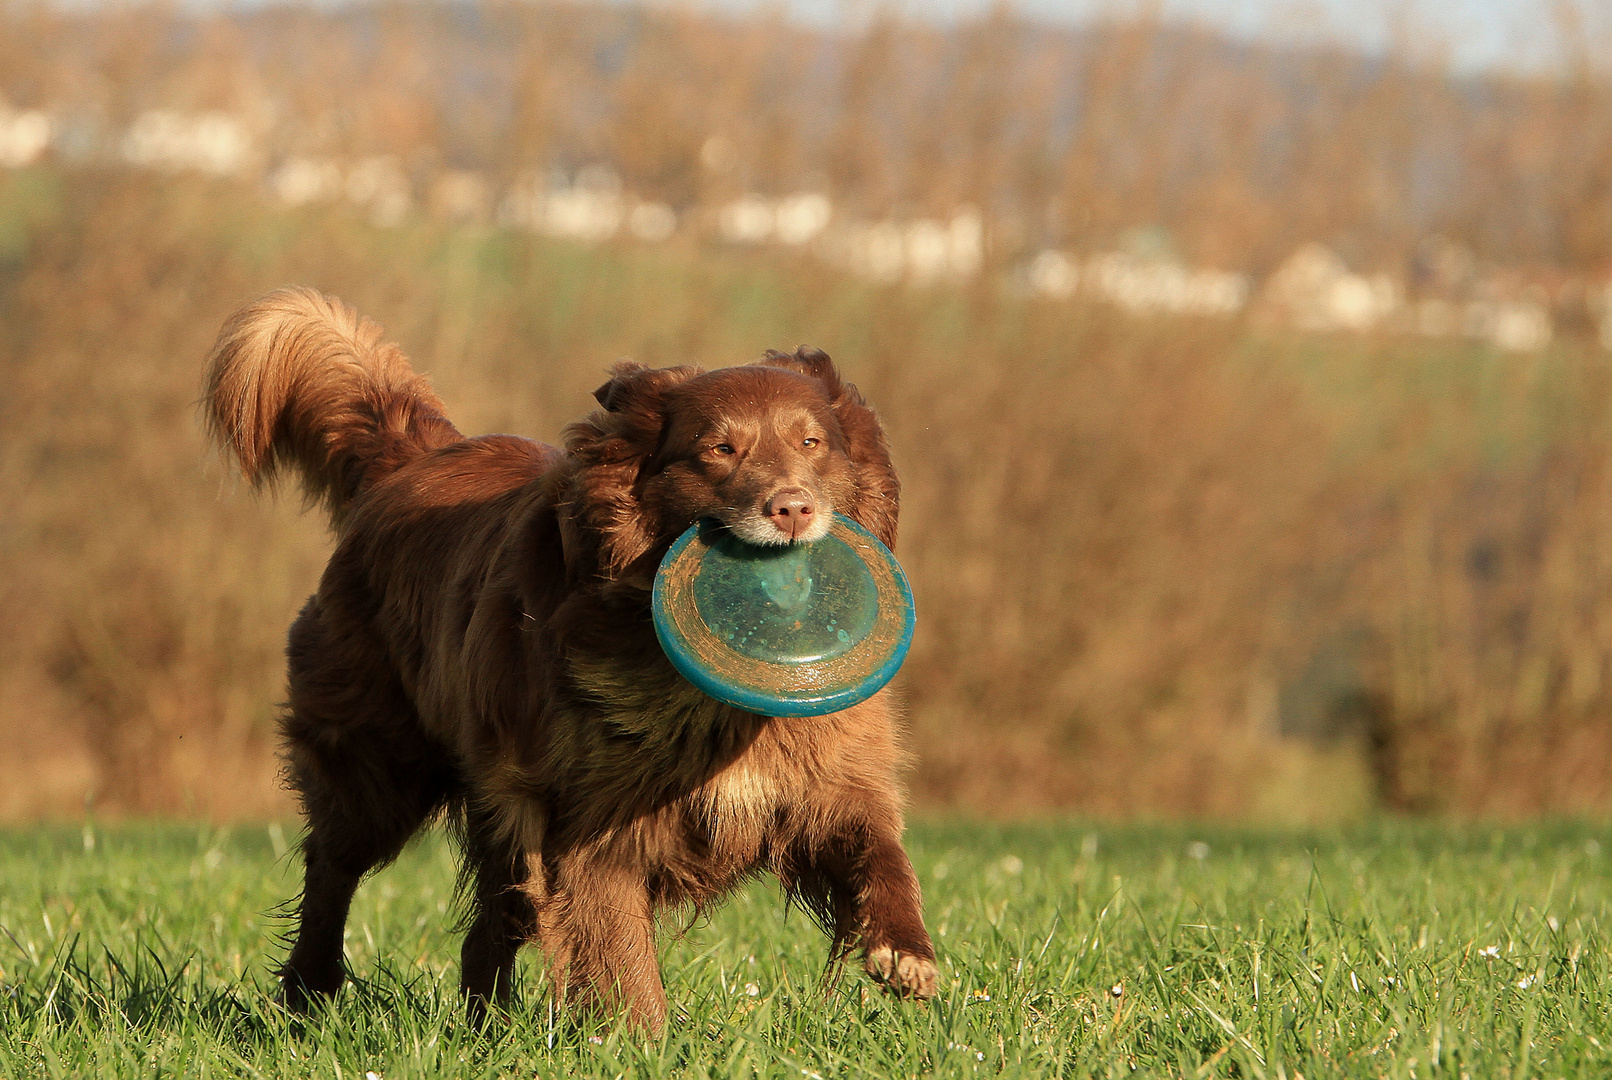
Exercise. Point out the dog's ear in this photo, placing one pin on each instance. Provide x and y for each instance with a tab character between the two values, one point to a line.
878	499
634	401
808	361
622	375
606	524
635	386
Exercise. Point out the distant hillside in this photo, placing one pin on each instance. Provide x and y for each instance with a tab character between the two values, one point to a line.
1062	138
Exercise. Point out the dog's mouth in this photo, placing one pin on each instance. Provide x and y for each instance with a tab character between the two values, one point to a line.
780	529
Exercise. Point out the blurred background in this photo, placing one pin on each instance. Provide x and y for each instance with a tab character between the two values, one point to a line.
1249	369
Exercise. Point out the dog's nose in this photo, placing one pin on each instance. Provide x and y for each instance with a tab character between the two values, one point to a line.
791	511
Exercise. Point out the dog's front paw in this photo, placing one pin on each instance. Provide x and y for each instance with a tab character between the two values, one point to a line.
903	974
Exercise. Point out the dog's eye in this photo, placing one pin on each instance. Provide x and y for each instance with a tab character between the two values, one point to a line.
722	448
809	443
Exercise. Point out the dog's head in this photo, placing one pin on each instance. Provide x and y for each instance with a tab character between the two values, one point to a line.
772	450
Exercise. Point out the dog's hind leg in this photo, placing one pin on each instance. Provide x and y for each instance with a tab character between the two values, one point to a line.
368	778
503	918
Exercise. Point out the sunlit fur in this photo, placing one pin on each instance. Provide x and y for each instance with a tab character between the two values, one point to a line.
481	644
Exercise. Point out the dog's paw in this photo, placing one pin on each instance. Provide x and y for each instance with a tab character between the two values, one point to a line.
903	974
304	990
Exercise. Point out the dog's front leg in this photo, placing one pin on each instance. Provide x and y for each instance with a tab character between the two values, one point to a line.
597	927
874	897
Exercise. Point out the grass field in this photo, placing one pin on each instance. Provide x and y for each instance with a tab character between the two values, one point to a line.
1389	950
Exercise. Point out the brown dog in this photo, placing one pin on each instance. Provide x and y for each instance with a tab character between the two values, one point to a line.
481	645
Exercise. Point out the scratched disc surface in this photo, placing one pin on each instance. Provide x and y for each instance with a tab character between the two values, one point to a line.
793	630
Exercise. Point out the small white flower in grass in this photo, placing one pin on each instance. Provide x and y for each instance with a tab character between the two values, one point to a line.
372	1076
1550	921
1491	952
1527	980
752	990
1117	990
1198	850
1012	864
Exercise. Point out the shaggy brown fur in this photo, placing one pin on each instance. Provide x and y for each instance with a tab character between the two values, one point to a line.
481	644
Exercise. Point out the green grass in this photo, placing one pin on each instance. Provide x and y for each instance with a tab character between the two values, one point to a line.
1390	950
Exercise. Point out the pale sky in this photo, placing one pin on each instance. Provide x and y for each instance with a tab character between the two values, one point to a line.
1472	33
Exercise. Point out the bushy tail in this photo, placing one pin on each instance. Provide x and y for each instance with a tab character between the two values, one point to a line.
301	380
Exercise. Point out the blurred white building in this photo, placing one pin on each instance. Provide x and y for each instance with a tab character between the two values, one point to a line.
1157	286
1315	290
793	219
378	184
1515	325
1053	274
209	142
301	181
1140	285
746	220
652	221
950	249
922	252
24	136
590	207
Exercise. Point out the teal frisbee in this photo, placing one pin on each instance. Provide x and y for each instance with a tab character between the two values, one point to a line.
792	630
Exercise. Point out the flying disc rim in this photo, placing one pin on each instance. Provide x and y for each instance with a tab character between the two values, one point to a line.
897	616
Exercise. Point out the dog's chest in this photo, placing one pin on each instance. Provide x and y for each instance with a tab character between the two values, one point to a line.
741	796
760	797
737	777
